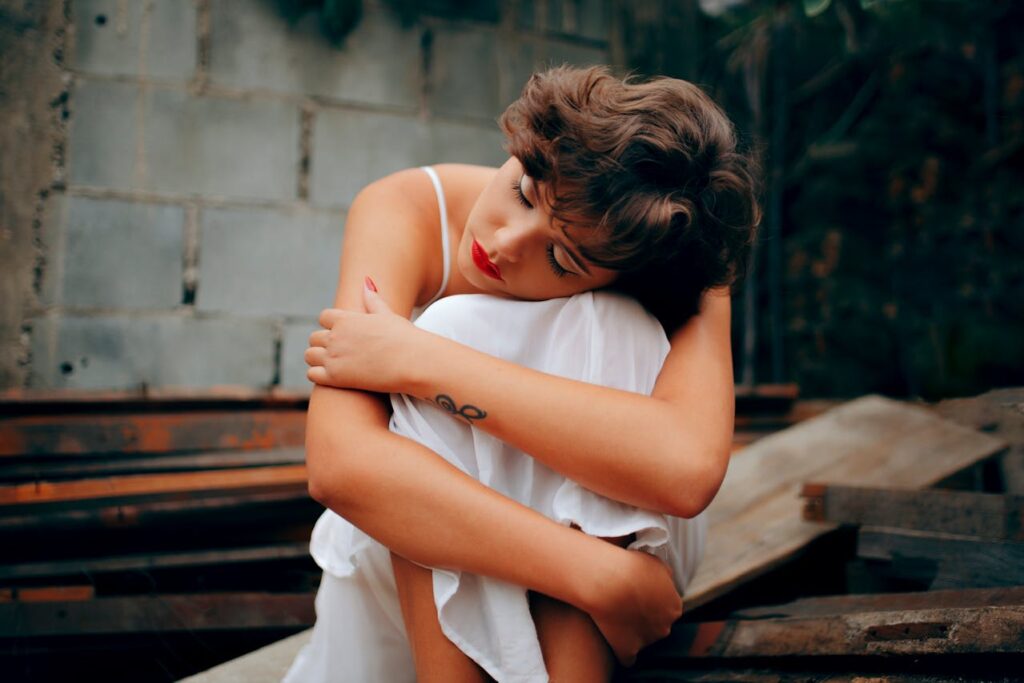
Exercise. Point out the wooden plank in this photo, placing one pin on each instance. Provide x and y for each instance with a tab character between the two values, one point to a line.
144	484
39	401
209	507
77	468
1001	413
207	430
47	593
832	605
157	613
105	565
755	522
966	513
969	630
944	560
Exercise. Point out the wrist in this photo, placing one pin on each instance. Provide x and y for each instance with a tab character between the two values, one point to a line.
606	566
424	356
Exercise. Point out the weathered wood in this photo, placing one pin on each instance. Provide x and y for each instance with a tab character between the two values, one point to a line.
157	613
1001	413
66	468
209	507
143	484
206	430
47	593
969	630
103	565
833	605
944	560
986	515
52	401
755	521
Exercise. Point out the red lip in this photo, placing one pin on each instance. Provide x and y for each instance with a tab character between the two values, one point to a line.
484	263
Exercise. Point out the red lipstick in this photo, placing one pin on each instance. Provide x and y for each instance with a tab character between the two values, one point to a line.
484	263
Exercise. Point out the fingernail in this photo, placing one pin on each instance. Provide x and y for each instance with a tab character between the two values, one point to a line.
370	284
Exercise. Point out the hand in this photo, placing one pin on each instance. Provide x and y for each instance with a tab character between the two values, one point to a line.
638	606
368	351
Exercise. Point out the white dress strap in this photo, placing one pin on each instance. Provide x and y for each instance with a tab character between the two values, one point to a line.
446	259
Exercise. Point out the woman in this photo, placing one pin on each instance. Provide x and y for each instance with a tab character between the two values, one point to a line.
632	186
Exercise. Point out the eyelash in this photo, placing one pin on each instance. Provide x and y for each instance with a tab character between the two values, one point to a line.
559	270
517	189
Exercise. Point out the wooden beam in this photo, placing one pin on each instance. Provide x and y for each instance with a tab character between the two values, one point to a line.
969	630
77	468
206	430
144	484
49	401
47	593
106	565
755	522
985	515
944	560
157	613
211	507
832	605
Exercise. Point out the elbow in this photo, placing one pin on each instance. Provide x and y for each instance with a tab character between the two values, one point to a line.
330	474
695	481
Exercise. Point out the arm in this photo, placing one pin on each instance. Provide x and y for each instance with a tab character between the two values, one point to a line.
388	485
666	452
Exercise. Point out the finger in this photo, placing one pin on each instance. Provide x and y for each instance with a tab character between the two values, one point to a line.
318	374
319	338
330	316
315	355
374	302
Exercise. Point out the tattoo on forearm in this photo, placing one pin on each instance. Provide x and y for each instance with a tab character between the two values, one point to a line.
467	411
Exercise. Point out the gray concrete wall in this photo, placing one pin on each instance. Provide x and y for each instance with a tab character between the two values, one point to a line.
189	165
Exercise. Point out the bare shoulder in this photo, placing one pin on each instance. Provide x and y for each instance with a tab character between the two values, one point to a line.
391	235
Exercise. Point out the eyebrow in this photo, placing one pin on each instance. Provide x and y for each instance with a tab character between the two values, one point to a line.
579	262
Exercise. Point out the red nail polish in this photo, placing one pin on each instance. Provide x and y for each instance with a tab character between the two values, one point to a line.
370	284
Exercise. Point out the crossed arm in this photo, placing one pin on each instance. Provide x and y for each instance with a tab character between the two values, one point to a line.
666	452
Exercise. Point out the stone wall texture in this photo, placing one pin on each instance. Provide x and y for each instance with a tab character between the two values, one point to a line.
177	171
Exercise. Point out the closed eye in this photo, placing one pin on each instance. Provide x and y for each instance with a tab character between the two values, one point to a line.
517	189
556	267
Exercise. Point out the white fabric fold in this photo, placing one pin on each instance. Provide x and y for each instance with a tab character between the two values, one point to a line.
596	337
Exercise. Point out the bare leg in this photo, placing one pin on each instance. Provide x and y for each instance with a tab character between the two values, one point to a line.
574	649
436	658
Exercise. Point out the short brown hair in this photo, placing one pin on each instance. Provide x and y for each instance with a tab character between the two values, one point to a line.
653	166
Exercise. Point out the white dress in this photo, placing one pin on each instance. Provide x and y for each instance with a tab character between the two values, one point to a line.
596	337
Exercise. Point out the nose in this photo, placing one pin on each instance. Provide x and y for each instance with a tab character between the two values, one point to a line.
512	240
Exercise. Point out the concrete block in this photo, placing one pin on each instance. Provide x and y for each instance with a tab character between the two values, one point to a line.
517	60
147	39
293	364
353	148
220	147
252	46
593	19
120	255
464	73
102	136
557	52
467	143
256	262
583	18
525	15
163	351
460	10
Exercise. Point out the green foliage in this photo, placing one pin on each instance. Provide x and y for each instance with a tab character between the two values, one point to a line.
902	218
